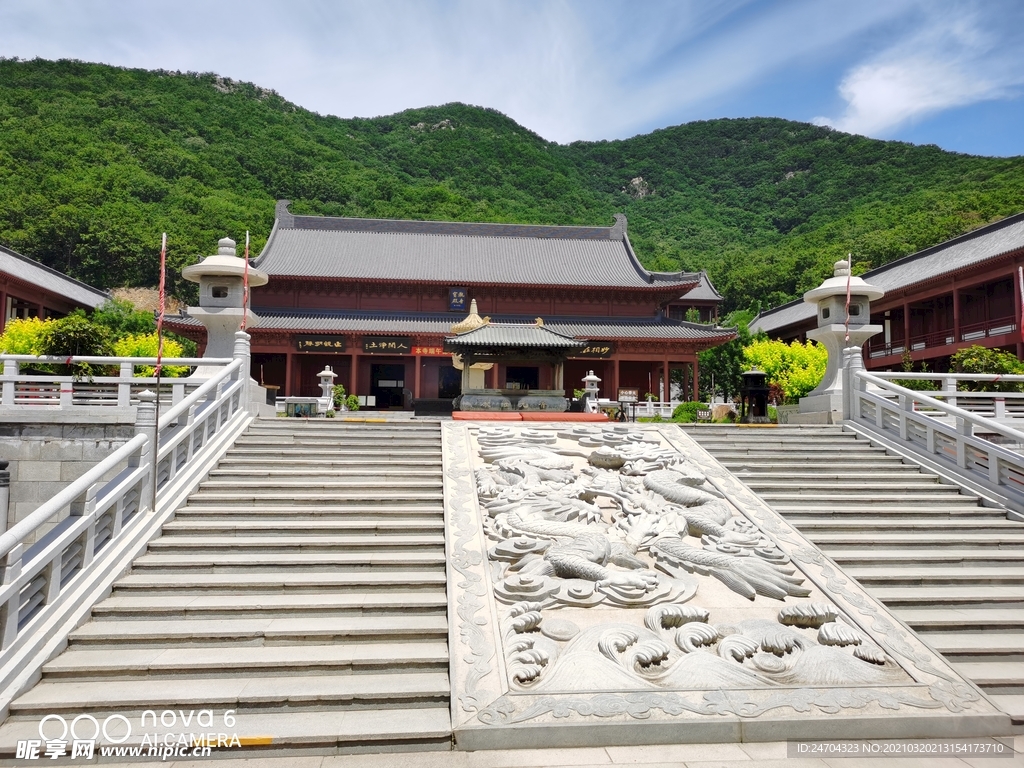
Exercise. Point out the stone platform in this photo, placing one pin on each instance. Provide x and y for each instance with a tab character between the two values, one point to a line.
527	416
617	586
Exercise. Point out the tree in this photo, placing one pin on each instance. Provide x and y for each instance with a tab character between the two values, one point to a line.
796	368
121	318
724	364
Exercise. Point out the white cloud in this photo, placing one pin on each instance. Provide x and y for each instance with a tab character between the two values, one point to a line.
952	61
568	69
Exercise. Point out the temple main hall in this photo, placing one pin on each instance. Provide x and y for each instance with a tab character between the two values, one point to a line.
375	299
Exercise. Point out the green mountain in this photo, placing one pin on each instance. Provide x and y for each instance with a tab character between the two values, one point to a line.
97	161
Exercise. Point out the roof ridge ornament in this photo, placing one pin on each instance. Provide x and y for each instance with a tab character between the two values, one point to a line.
472	320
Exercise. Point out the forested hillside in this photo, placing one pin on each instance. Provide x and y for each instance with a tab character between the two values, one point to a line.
96	161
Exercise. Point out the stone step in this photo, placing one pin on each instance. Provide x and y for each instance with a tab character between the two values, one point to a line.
365	455
392	525
994	674
873	486
939	574
296	543
1011	704
884	474
313	511
951	618
912	558
322	484
953	596
259	631
937	539
316	425
337	471
232	562
844	507
233	461
781	456
367	496
364	581
262	660
128	607
220	693
970	645
867	499
867	524
322	731
351	441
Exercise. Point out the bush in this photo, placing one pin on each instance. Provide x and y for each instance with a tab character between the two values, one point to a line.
146	345
796	368
75	335
352	402
686	413
978	359
341	400
122	319
23	337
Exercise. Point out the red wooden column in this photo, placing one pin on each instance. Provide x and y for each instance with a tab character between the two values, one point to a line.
614	394
696	379
287	375
956	312
906	326
354	374
666	385
3	310
416	378
1018	313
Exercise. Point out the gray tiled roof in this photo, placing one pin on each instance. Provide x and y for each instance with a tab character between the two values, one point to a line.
457	253
514	335
704	291
965	251
324	321
29	271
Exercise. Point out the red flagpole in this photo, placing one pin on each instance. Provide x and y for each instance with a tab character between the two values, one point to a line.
159	365
245	281
849	275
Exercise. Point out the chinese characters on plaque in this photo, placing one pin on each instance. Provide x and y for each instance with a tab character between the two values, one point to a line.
428	351
596	349
320	343
387	345
457	301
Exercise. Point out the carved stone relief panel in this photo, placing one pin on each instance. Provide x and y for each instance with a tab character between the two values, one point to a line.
620	573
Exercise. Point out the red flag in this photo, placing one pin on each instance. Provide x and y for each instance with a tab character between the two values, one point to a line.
245	281
160	316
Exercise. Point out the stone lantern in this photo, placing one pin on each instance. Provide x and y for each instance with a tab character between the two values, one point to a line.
327	376
826	401
220	297
590	385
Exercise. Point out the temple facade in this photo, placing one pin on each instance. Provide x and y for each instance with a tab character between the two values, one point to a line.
962	292
375	299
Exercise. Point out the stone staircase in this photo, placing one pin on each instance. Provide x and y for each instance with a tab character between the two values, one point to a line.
950	568
302	585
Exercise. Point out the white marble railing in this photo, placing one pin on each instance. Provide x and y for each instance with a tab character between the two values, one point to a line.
22	389
996	405
37	564
909	418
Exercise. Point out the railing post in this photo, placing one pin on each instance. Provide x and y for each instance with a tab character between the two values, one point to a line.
67	392
145	422
1000	407
124	385
852	362
5	493
85	506
906	405
10	381
963	429
949	386
10	612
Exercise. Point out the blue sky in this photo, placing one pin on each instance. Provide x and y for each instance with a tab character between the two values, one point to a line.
946	72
